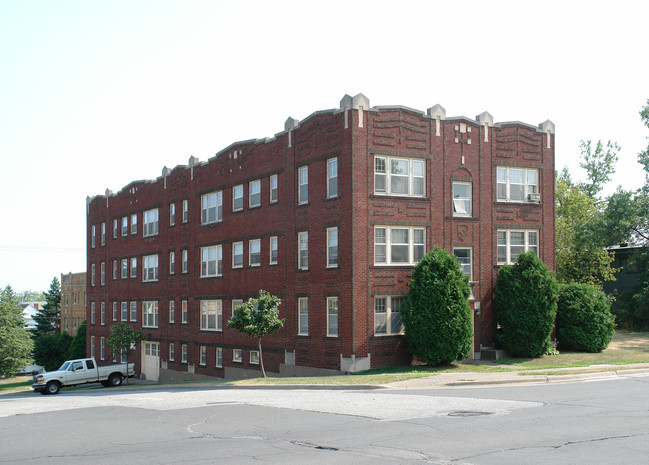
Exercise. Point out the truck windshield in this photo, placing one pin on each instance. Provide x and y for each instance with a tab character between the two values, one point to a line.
64	366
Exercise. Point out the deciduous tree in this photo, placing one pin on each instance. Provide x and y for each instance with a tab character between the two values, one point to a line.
123	339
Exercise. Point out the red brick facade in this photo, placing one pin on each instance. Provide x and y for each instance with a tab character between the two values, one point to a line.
391	199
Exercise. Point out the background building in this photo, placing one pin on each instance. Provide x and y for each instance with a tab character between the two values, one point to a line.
331	215
73	301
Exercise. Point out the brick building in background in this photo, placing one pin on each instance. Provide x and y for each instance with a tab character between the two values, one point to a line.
331	215
73	302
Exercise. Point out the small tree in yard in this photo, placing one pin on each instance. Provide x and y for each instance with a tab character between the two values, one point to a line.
258	317
526	305
15	344
124	338
436	314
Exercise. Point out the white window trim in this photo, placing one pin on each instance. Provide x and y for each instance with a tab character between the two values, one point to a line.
150	223
527	188
237	197
458	207
237	355
183	356
124	311
388	315
254	189
302	237
329	329
330	245
273	189
184	311
300	302
172	311
388	176
202	356
219	357
254	243
150	312
470	264
388	245
254	357
526	246
206	310
185	211
150	268
172	214
212	207
331	177
303	198
206	252
236	245
172	352
271	249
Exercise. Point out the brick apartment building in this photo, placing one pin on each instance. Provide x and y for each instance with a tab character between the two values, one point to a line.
73	301
331	215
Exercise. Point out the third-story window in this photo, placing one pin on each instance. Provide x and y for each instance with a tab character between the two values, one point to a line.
387	315
172	214
254	252
237	255
149	314
303	184
512	243
172	311
332	247
134	223
150	223
124	273
273	188
124	312
114	270
172	262
115	227
462	199
125	226
92	274
399	176
237	198
183	311
150	268
273	250
303	250
133	267
332	177
211	315
332	316
463	256
211	261
394	245
103	234
254	193
212	207
184	259
517	184
185	211
102	276
303	316
134	311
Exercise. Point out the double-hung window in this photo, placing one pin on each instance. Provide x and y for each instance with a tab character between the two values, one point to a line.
517	184
172	351
103	234
172	262
303	316
399	176
125	226
115	227
149	314
254	357
183	255
124	311
237	255
332	247
303	184
134	311
387	315
211	261
237	355
303	250
133	267
219	357
397	245
172	311
183	355
102	313
102	275
462	199
150	268
212	207
185	211
93	233
134	223
92	274
463	257
211	315
511	243
124	273
184	311
332	178
254	193
150	223
273	188
332	316
172	214
254	252
237	198
273	250
114	269
203	353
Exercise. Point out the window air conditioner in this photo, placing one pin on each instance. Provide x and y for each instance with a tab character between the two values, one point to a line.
534	197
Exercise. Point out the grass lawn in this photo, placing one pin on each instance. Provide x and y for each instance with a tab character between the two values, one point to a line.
17	383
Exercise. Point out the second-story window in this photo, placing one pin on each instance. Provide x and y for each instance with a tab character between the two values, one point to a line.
150	268
332	178
237	198
254	193
237	255
254	252
134	224
103	234
399	176
172	262
150	223
462	199
303	184
185	211
303	250
125	226
273	250
395	245
332	247
211	261
133	267
273	188
172	214
212	207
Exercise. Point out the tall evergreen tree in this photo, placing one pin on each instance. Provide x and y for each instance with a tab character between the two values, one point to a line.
15	343
78	346
48	319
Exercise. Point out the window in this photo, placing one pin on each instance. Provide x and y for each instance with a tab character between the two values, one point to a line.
114	311
184	354
133	267
517	184
102	314
237	198
92	274
172	262
237	255
134	312
511	243
211	315
184	261
399	176
183	310
103	234
92	346
398	245
124	268
273	188
303	251
92	236
332	178
303	316
463	256
172	352
273	250
114	270
124	311
332	247
332	316
150	268
150	223
254	193
172	214
387	315
92	313
185	211
236	303
254	357
462	199
102	275
125	226
219	357
303	185
149	314
115	229
203	352
102	347
254	252
237	355
211	261
212	207
134	224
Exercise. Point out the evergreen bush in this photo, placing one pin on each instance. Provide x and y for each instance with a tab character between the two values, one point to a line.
436	314
526	306
584	320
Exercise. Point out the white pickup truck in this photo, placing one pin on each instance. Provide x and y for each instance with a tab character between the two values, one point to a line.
81	371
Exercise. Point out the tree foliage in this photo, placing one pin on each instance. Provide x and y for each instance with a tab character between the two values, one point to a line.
436	314
31	296
78	346
599	163
584	320
123	339
526	306
51	350
48	319
15	344
257	318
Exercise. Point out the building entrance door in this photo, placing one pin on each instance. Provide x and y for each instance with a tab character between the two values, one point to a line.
151	360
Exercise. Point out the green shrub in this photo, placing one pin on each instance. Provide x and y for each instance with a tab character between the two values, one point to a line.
526	305
51	350
436	315
584	320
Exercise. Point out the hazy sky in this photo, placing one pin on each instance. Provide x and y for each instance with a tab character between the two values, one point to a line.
94	95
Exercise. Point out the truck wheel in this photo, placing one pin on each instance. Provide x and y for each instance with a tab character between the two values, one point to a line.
52	387
115	379
43	392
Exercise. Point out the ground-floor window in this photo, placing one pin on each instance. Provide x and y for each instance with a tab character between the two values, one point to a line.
387	315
